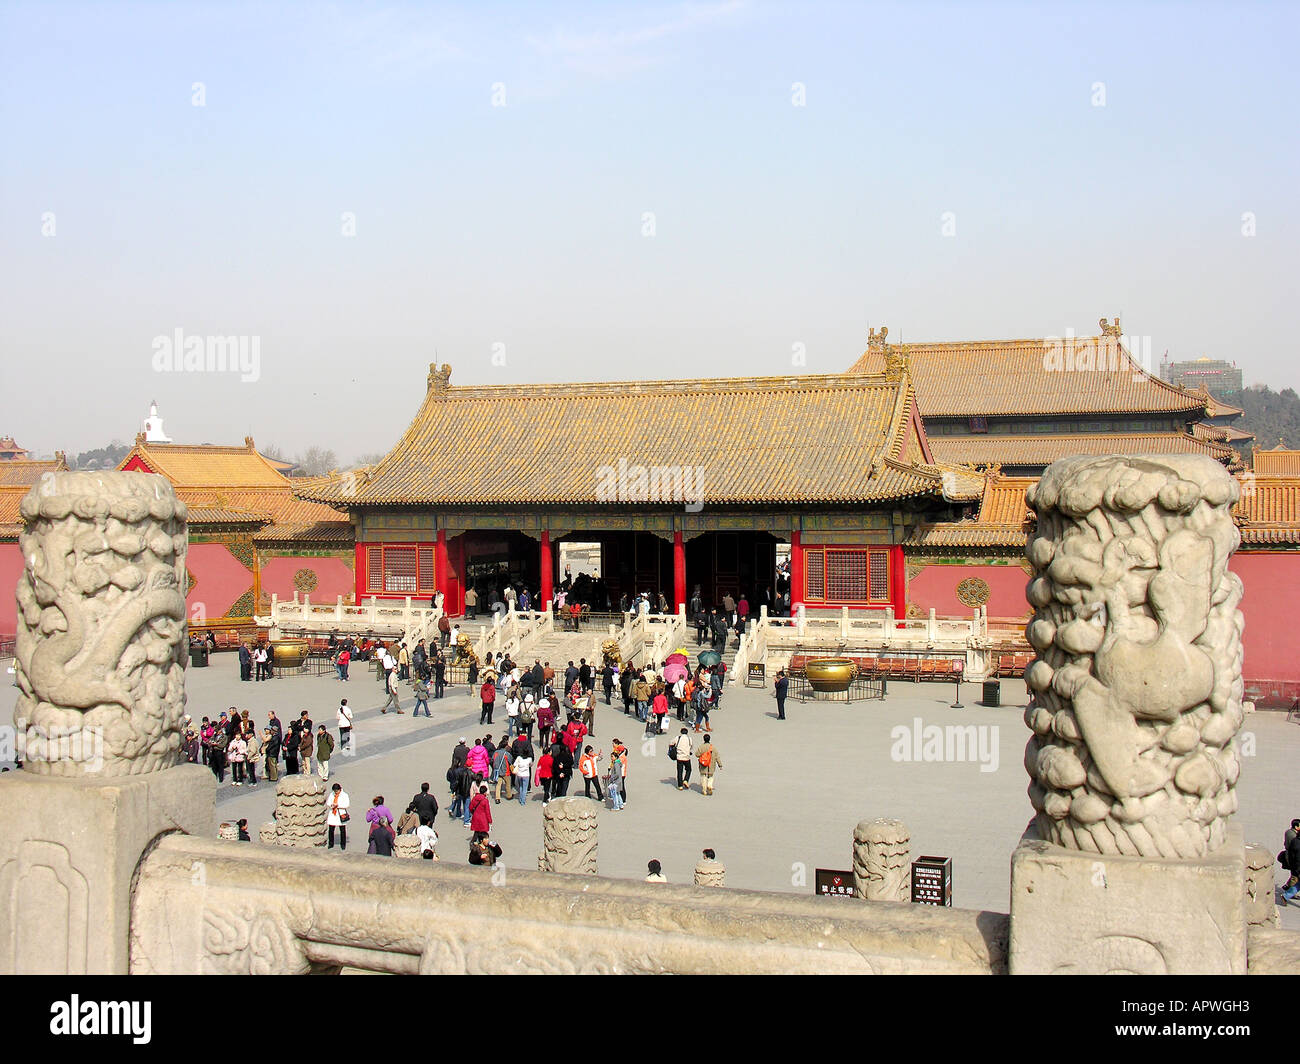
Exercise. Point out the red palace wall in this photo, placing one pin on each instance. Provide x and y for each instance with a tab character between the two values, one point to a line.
1272	649
220	579
935	588
11	568
328	577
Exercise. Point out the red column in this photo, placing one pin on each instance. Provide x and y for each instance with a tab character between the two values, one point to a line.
440	569
359	568
796	570
898	583
548	570
679	569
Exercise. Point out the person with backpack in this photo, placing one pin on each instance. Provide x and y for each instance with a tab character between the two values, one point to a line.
707	756
527	716
681	753
421	690
502	772
589	767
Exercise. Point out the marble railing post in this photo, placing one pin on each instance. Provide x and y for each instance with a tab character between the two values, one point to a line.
882	860
103	774
1135	708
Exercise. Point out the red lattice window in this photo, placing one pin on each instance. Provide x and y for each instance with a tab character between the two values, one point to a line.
426	567
846	576
815	575
879	573
374	568
400	571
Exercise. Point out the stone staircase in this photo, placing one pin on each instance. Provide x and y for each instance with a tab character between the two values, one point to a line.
559	647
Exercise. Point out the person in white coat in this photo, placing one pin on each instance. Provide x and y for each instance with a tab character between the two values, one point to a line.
336	816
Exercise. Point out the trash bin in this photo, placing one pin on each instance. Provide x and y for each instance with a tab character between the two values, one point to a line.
992	693
199	656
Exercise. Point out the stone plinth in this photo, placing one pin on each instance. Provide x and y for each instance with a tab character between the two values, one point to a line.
882	860
68	851
1095	914
300	811
1261	897
228	832
407	846
569	836
710	873
266	833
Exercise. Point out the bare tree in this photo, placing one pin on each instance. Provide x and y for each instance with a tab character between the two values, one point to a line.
315	461
373	458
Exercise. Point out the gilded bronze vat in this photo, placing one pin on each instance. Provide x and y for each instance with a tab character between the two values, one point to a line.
288	653
830	674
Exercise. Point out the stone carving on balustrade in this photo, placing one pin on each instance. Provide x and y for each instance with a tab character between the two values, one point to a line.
300	812
569	836
1136	689
882	860
101	621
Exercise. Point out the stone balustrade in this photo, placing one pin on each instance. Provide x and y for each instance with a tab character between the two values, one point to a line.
202	905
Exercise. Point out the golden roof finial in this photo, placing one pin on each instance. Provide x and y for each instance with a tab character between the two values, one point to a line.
1110	330
876	340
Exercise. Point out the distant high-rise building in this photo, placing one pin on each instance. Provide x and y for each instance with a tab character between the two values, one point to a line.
1221	379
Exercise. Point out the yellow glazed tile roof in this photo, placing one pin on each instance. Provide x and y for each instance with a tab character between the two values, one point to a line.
774	440
1019	377
1276	460
1042	450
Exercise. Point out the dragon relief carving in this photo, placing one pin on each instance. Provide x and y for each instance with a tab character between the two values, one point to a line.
101	619
1136	690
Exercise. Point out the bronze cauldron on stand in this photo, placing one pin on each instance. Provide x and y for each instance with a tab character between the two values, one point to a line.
830	674
288	653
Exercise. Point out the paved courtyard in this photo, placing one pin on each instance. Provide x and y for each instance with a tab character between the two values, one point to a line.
788	793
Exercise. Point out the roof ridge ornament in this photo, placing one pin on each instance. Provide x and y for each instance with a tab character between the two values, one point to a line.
876	340
1110	330
897	364
439	377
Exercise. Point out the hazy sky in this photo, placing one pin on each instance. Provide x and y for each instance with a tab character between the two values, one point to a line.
668	191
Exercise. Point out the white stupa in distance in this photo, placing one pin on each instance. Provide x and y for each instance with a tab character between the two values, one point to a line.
153	426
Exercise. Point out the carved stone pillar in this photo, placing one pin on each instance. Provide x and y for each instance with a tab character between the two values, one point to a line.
100	656
407	846
710	873
1129	863
882	860
569	836
300	811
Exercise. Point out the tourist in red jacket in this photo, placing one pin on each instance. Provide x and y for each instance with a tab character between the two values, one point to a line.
544	776
480	811
488	694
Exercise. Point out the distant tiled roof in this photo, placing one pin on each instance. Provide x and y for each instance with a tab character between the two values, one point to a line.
207	465
238	485
1031	450
1276	460
986	378
17	477
1003	520
772	440
333	532
1268	511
